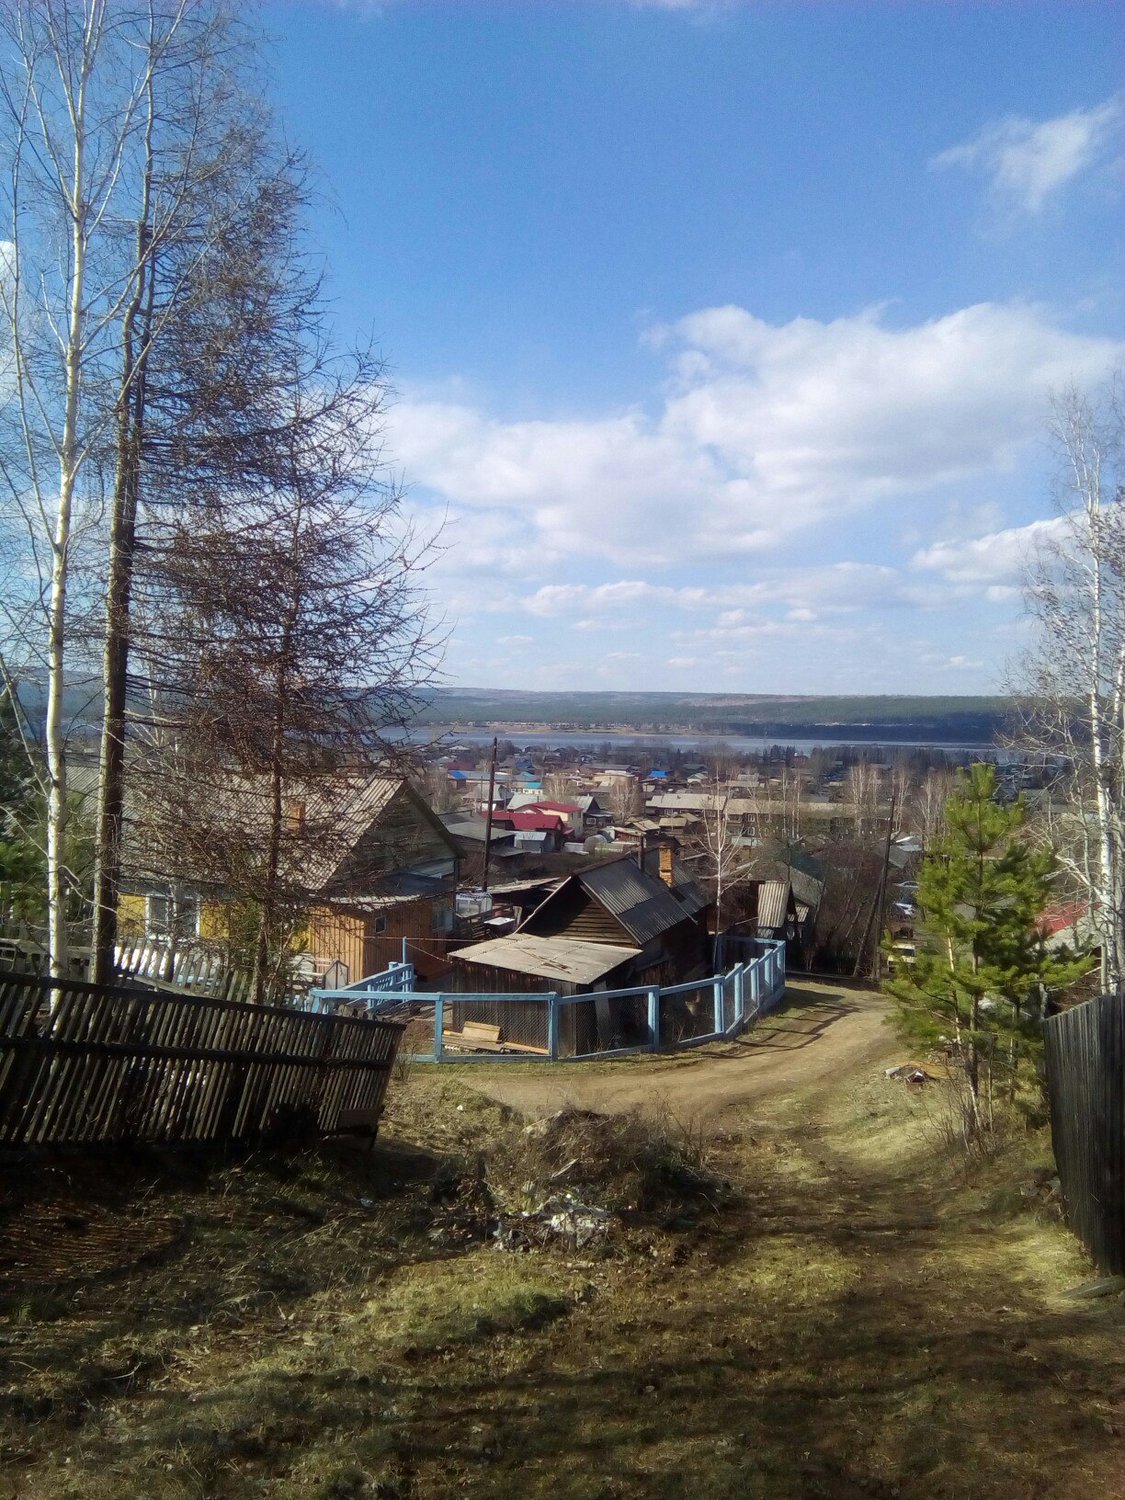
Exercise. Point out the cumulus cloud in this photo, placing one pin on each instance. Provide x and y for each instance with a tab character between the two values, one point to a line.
1028	162
804	593
764	431
997	561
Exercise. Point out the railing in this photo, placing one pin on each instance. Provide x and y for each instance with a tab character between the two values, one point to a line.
608	1023
352	999
90	1064
185	964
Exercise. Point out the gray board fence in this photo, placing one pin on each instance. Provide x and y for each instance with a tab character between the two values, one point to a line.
1086	1086
84	1064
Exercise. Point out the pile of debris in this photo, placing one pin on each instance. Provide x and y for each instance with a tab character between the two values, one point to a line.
912	1073
576	1181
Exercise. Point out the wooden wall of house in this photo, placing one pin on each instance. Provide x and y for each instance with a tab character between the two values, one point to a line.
352	937
130	917
426	949
401	838
574	912
337	937
469	978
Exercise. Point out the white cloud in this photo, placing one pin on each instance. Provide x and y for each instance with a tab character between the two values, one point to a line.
1027	162
767	430
996	562
804	593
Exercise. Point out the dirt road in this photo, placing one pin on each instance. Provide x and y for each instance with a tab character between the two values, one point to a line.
820	1032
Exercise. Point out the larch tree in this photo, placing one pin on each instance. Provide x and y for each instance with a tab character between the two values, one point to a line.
175	388
289	643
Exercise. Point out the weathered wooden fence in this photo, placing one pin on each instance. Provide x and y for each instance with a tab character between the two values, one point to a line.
1086	1085
200	967
85	1064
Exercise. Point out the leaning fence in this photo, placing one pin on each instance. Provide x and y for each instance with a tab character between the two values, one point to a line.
90	1064
605	1023
1086	1087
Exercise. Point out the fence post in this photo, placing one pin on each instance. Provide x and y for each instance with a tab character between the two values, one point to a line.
654	1017
740	994
717	988
439	1027
553	1028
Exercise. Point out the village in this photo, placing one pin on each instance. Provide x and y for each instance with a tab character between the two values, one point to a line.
562	751
481	872
433	866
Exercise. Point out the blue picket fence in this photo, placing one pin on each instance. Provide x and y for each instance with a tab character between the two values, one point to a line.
557	1028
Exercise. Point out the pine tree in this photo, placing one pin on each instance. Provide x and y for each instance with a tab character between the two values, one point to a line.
980	975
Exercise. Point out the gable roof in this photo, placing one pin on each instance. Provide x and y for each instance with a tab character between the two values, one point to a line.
643	905
530	821
366	804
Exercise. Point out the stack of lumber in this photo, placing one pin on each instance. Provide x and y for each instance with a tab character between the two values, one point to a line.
479	1036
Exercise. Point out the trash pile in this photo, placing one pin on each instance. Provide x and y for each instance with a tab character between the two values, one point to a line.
909	1073
576	1181
561	1220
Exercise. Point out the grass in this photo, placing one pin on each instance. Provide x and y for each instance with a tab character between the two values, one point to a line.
824	1303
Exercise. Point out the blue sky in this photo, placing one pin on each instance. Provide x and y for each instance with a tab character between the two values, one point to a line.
722	334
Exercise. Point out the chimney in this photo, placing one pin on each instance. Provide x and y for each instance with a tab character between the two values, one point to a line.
295	816
666	857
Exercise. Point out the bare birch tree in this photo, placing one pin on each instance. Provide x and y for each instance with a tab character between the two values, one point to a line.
717	844
1074	675
81	86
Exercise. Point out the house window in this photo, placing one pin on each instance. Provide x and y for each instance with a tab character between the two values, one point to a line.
378	925
443	916
167	916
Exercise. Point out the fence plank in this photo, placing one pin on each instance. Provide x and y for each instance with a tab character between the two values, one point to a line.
1086	1089
81	1063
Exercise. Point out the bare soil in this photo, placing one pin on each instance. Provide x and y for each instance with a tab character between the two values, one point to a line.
823	1302
823	1032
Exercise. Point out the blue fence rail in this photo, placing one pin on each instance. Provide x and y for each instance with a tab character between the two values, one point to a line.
556	1028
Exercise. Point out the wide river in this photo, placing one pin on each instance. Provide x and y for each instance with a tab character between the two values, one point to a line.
609	741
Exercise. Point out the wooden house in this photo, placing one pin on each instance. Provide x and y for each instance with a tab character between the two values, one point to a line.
388	873
613	925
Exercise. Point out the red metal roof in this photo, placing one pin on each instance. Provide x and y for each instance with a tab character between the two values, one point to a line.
1059	918
527	820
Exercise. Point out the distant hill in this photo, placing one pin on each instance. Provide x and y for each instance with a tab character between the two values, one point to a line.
949	719
776	717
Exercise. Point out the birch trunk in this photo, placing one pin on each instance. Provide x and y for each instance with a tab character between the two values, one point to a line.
69	464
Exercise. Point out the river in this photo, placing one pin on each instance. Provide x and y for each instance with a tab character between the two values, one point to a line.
606	742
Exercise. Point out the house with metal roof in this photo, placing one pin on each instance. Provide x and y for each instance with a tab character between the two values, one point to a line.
372	862
616	924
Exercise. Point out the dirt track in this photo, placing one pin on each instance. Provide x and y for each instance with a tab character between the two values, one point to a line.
820	1032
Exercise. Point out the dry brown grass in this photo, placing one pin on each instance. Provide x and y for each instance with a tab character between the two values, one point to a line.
858	1315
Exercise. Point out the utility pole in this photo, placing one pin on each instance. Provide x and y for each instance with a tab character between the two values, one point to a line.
488	814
